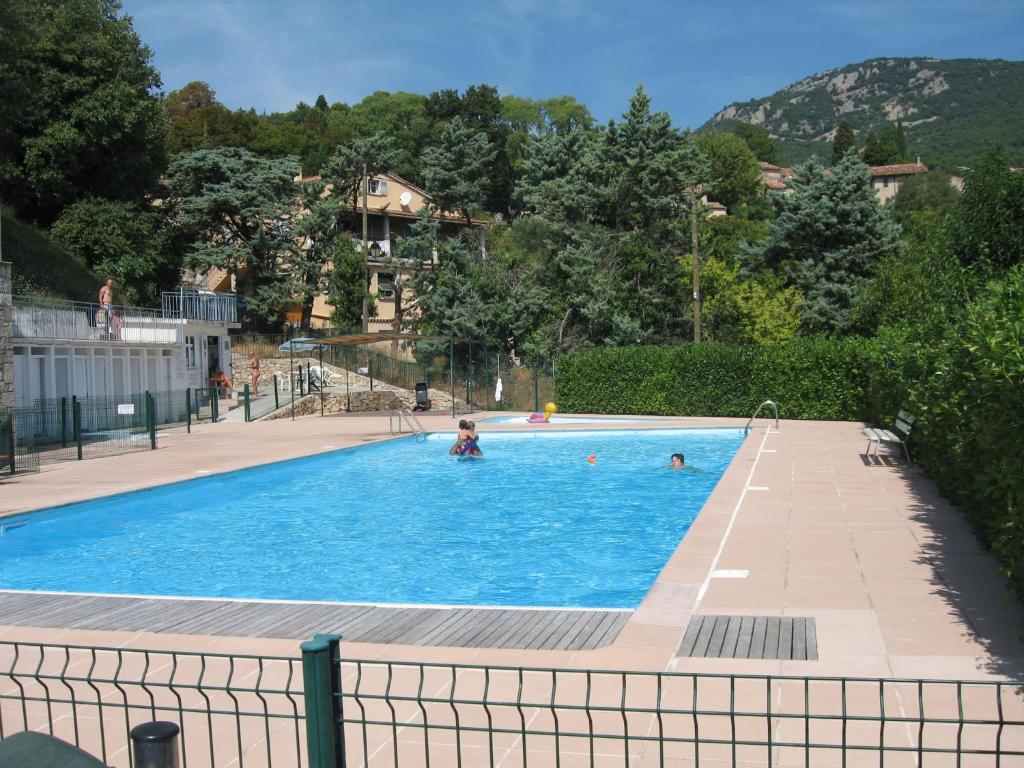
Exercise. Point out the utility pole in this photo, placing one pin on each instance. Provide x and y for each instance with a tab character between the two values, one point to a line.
366	255
694	245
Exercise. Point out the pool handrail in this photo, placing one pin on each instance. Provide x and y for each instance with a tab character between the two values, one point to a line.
775	407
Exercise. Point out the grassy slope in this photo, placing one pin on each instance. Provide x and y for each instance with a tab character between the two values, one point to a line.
42	266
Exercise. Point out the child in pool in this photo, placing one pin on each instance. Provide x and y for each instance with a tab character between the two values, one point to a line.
466	443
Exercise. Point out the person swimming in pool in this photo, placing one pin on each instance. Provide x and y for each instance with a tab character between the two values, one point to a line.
679	462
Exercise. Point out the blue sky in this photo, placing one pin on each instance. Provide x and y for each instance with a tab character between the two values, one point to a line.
692	57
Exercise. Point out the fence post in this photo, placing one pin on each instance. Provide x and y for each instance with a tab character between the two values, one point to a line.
245	394
277	402
321	678
12	439
536	393
188	410
63	422
151	419
214	405
76	423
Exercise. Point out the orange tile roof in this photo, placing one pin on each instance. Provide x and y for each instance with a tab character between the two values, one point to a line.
900	169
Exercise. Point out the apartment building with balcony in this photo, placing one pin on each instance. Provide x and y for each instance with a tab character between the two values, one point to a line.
69	348
392	205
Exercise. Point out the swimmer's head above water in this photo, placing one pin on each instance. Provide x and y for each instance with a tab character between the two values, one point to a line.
678	460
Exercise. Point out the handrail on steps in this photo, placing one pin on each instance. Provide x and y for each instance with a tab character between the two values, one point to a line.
775	407
415	426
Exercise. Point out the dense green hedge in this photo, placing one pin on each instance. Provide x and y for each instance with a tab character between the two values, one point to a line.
810	379
967	391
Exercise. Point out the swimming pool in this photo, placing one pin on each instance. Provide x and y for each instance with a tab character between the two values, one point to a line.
533	523
561	419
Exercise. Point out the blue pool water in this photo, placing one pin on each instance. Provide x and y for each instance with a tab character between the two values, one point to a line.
533	523
560	419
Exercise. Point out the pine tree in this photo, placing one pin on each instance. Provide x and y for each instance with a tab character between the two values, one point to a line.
843	142
827	238
874	150
457	169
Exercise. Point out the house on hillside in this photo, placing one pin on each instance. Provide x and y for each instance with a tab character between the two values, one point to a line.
776	177
886	179
392	205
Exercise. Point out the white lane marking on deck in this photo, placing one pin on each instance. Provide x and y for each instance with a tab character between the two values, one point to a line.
328	446
728	530
202	472
758	488
769	450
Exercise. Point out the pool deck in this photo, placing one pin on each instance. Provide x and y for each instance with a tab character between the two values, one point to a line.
801	526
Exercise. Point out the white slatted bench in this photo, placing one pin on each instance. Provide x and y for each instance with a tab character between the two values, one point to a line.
904	423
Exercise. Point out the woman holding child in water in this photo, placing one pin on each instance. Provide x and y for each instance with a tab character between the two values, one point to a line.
466	443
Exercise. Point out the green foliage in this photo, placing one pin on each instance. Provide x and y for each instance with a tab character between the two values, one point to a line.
346	285
41	265
970	432
734	175
237	206
989	230
843	142
810	379
457	169
924	192
759	140
651	165
78	89
887	147
743	310
121	241
827	238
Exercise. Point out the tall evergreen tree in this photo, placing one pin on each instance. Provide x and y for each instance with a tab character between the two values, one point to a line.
238	206
843	142
457	170
827	238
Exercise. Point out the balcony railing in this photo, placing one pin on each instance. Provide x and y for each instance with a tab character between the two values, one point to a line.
83	321
193	305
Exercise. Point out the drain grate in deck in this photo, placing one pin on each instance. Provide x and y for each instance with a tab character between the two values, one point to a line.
750	637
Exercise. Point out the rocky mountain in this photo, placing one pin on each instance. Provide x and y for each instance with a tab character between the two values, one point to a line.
952	109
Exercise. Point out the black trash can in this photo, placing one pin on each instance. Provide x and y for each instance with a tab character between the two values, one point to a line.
422	398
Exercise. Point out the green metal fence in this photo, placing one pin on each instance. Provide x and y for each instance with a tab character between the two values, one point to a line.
232	709
324	711
17	449
54	430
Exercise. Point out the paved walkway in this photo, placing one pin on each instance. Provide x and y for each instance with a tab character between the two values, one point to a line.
801	525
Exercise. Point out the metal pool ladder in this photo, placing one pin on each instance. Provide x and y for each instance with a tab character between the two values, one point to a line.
775	407
410	418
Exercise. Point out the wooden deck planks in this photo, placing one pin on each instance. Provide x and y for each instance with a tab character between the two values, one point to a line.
750	637
421	625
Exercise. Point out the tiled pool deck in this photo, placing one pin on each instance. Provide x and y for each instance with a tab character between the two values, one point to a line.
889	571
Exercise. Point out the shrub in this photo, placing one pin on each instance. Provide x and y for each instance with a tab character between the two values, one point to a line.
810	378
